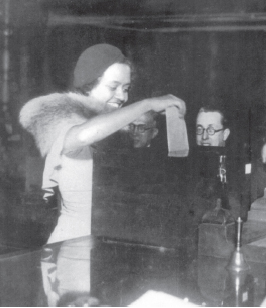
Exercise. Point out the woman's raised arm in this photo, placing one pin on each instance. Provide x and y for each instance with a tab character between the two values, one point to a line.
104	125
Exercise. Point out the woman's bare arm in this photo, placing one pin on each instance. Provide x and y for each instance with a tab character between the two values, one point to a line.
102	126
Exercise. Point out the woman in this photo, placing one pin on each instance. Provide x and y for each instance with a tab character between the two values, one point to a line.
66	125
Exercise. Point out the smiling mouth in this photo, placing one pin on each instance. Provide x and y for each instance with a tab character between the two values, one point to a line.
115	104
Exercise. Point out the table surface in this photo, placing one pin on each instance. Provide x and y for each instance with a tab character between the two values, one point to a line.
107	272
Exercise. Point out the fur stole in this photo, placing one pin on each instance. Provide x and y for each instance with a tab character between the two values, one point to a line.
46	116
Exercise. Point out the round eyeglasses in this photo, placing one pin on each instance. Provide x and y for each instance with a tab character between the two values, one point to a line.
141	128
210	130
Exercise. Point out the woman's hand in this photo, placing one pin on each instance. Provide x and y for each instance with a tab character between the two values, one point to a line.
159	104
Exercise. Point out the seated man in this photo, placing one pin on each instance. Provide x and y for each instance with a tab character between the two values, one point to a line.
143	130
212	132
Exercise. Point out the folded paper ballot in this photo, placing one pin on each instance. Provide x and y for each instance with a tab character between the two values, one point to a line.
160	299
176	133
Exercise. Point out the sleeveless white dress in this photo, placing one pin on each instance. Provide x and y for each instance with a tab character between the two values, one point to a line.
73	176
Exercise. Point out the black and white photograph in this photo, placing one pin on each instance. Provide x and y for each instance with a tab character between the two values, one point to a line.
132	153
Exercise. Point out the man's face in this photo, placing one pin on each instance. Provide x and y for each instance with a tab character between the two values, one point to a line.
143	139
211	120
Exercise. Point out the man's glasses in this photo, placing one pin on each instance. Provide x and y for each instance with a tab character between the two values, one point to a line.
210	130
141	128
